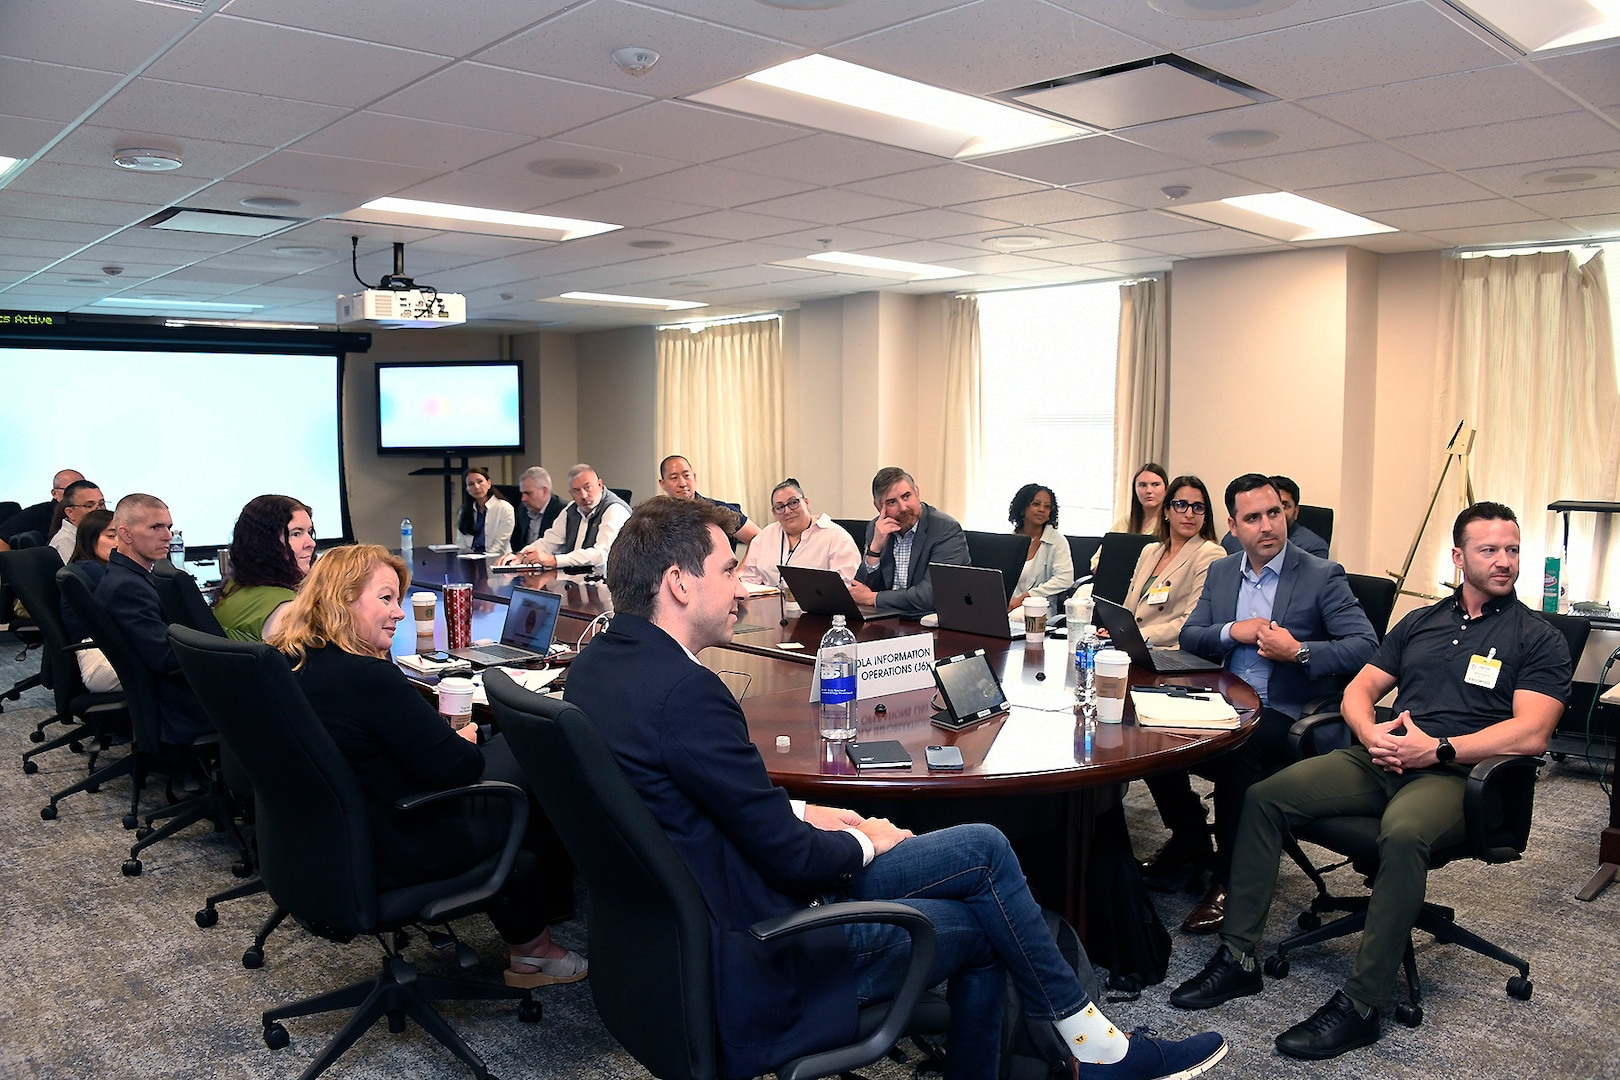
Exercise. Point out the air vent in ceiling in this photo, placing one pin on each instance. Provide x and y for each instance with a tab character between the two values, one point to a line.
1159	88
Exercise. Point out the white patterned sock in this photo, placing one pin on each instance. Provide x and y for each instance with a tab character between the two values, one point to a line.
1091	1037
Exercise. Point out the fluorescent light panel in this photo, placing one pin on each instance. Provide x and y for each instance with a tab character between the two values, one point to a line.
1541	25
889	267
192	305
1282	216
456	218
613	299
834	95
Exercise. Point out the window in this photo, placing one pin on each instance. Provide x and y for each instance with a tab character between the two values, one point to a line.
1049	358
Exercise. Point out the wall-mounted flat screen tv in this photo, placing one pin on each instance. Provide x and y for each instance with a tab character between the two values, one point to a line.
471	407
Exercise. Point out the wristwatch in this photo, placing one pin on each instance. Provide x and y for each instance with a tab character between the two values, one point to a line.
1303	656
1445	753
874	554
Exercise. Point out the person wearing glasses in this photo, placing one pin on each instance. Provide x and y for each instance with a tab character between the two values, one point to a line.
1048	567
797	536
1169	576
78	499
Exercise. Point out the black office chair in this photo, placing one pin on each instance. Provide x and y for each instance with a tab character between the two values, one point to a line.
856	527
1081	549
1497	806
1318	519
651	964
93	719
182	601
150	753
1376	595
23	628
999	551
624	493
1119	554
316	854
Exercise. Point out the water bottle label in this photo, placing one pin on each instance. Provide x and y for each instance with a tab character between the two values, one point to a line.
837	690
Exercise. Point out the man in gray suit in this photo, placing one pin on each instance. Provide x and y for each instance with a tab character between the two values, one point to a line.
1288	624
901	541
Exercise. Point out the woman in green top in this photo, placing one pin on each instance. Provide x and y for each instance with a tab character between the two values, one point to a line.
271	550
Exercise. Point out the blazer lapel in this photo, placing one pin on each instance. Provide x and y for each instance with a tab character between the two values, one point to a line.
1285	584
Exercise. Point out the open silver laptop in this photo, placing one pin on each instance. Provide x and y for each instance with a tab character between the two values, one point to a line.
531	620
971	599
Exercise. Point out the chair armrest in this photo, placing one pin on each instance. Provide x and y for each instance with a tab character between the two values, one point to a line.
518	802
898	1014
1317	733
1327	703
80	646
1504	784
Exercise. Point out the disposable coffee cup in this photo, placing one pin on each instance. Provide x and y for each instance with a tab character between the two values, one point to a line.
422	604
1035	612
456	701
1113	675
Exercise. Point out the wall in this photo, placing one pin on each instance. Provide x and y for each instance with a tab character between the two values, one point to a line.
617	407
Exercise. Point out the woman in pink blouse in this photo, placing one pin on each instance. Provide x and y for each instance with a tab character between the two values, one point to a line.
798	537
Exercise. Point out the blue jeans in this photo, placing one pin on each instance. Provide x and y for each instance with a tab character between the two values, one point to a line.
967	880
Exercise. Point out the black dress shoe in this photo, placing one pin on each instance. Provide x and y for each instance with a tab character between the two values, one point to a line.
1180	857
1206	917
1330	1030
1222	979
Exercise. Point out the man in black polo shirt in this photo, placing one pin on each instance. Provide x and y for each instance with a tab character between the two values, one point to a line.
1479	675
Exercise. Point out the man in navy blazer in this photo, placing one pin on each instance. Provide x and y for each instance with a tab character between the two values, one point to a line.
1287	622
682	741
901	541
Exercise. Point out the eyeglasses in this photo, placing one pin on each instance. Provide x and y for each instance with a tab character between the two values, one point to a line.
99	504
1181	506
787	507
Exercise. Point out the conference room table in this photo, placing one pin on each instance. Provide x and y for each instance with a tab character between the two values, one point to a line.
1037	749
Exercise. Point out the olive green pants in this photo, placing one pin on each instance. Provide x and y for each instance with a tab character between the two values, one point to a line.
1419	810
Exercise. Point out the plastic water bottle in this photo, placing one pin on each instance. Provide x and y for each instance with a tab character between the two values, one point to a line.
405	539
836	660
1086	647
177	549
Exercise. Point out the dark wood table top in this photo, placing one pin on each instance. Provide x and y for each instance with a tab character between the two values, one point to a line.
581	598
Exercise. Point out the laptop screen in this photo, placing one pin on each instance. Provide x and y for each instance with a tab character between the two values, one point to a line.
531	619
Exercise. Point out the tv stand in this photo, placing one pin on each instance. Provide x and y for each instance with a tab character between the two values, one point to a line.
449	472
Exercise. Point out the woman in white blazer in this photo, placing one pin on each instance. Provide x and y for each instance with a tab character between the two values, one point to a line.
1169	575
1048	568
486	519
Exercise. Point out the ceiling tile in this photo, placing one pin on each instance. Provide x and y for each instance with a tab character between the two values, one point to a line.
1524	179
810	27
830	159
828	205
860	237
397	140
1041	206
228	195
89	33
1334	165
205	159
1175	33
624	166
1593	74
1567	135
1410	41
1081	161
368	179
708	185
579	43
1531	232
683	132
1296	129
1092	254
181	111
156	190
1578	203
1407	191
50	91
932	224
610	205
1147	192
1458	215
531	104
469	27
21	137
236	54
62	232
1014	43
1127	226
1450	101
946	185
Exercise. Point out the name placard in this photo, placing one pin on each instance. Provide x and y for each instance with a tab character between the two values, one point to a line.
888	667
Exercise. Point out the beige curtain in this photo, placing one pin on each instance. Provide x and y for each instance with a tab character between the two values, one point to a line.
1527	359
1142	385
961	450
720	405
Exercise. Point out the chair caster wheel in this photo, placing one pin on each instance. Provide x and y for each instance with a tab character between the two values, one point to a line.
130	821
1409	1015
1520	987
1276	967
30	767
276	1037
93	788
207	917
529	1010
76	746
241	870
252	960
1309	920
36	736
132	868
48	813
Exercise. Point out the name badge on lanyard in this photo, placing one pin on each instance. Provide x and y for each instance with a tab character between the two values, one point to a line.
1483	670
1159	594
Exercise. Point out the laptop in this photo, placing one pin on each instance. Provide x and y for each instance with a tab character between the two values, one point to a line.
823	592
531	619
971	600
1127	637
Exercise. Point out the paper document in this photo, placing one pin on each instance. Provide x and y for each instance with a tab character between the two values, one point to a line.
760	590
1202	711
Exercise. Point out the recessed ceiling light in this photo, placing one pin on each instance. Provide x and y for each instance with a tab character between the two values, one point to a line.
270	202
7	164
574	168
1545	24
1239	140
1568	176
913	271
1283	216
615	300
652	245
140	159
1218	9
166	300
1016	243
302	251
450	216
833	95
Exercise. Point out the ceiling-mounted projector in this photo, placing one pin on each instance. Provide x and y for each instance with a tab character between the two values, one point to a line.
399	309
398	303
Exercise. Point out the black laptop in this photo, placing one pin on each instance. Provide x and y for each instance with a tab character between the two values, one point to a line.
971	600
823	592
531	619
1127	637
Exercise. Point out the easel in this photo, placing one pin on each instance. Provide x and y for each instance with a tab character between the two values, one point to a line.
1457	451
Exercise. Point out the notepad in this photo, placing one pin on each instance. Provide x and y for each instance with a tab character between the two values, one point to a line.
1209	712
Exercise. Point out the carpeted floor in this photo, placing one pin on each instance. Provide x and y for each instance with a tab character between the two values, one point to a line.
106	976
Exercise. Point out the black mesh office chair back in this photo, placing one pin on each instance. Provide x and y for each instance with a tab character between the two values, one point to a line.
1116	564
999	551
856	527
1377	598
1318	519
182	601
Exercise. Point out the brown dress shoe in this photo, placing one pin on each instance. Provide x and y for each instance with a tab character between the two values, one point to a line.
1206	917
